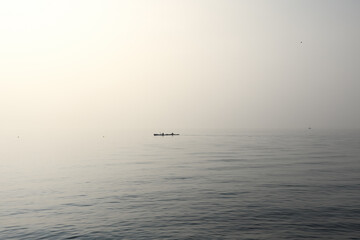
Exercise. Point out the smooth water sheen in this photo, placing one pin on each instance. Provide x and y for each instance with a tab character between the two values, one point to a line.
199	185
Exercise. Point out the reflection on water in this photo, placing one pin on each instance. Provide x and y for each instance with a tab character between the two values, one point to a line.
199	185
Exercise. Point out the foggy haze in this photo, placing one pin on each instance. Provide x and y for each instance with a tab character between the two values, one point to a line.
108	65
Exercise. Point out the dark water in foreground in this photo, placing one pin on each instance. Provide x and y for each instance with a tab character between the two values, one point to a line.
205	185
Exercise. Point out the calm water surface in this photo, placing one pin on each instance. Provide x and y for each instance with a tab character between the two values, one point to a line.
199	185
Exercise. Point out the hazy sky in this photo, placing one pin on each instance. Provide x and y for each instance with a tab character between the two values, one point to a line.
163	64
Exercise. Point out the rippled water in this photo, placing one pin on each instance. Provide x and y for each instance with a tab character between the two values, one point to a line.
199	185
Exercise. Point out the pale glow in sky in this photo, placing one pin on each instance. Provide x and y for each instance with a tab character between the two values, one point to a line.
163	64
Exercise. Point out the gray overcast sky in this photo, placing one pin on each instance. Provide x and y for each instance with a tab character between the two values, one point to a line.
164	64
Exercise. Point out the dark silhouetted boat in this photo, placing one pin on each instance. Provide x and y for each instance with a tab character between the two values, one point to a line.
166	134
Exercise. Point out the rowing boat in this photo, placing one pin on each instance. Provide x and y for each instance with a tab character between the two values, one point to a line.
166	134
